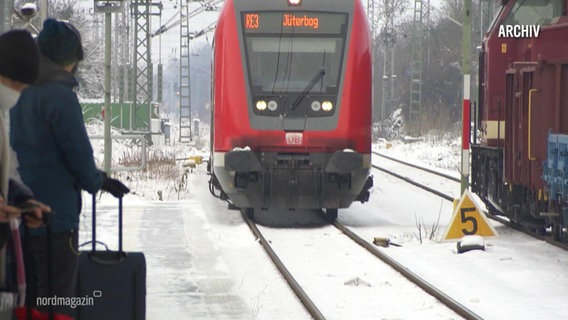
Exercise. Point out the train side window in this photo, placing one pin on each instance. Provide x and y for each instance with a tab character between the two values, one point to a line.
534	12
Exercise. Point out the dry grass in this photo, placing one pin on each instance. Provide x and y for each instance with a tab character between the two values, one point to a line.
163	178
159	165
427	232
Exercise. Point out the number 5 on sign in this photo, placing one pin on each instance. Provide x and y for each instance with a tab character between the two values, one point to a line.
468	219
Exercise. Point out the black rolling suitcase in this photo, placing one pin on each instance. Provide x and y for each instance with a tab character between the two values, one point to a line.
116	280
28	312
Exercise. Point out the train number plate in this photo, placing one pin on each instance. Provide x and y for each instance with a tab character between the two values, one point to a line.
294	137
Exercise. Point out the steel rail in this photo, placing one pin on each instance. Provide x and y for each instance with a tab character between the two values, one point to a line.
441	174
411	276
300	293
408	180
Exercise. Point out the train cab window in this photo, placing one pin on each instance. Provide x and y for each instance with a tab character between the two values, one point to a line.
286	52
534	12
288	64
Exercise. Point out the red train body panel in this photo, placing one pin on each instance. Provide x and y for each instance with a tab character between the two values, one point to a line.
277	69
499	52
522	101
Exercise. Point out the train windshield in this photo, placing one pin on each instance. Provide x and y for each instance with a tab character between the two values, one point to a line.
283	58
534	12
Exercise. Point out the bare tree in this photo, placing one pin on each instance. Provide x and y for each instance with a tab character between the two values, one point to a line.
62	9
390	15
90	72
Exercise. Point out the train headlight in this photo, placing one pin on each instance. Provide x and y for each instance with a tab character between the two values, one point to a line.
316	106
272	105
295	3
261	105
327	106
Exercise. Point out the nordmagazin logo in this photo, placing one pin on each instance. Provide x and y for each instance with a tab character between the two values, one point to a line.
72	302
519	31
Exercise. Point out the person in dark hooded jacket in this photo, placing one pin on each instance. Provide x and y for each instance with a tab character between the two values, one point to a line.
56	158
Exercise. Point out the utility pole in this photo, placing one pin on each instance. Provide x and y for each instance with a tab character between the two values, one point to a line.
142	68
44	6
5	14
107	8
386	36
141	95
384	80
185	119
108	111
373	17
120	46
466	113
486	11
416	70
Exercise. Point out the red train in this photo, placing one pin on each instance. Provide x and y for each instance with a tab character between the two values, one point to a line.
291	111
519	168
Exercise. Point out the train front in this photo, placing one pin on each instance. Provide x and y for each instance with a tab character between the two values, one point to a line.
292	104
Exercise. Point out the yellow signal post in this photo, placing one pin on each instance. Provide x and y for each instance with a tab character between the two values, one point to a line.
468	219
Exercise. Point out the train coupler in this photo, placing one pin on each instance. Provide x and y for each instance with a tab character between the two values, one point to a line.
365	192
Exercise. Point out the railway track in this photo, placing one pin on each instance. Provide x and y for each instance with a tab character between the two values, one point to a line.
451	198
414	182
294	285
441	174
311	306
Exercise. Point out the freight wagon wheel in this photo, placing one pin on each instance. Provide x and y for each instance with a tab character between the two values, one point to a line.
249	213
331	214
556	230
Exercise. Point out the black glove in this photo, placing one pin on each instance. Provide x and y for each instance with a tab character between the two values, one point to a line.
115	187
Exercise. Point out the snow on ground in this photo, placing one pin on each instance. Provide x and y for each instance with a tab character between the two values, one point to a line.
436	150
203	263
168	165
516	277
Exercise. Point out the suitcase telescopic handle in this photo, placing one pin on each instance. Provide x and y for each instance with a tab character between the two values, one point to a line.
94	226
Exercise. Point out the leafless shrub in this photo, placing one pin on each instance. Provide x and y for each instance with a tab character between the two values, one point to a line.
182	185
169	178
159	165
424	231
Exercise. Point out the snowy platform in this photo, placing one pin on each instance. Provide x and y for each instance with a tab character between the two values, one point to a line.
188	275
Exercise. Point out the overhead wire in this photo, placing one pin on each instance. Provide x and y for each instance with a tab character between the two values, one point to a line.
205	6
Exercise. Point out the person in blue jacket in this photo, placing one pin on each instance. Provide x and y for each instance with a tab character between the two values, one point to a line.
56	158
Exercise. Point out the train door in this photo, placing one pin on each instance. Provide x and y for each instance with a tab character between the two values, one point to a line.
511	128
561	98
519	149
528	156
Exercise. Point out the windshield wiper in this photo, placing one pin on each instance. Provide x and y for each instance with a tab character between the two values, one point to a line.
309	87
